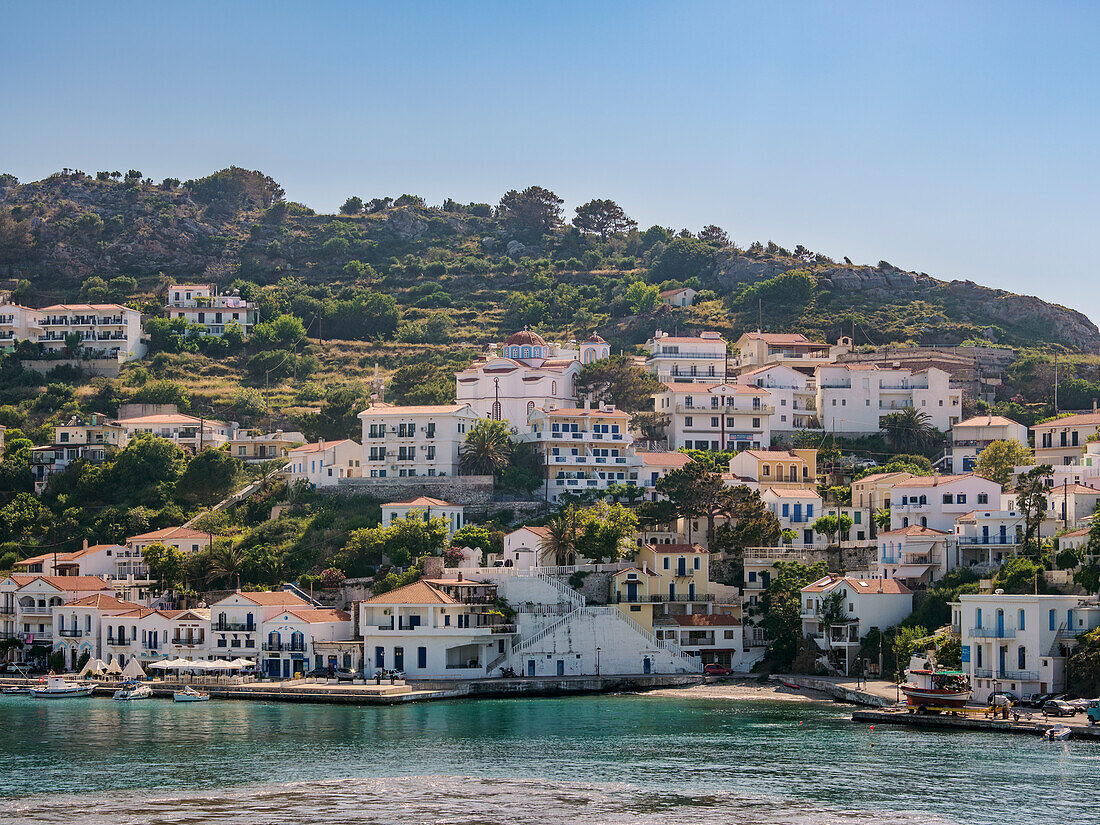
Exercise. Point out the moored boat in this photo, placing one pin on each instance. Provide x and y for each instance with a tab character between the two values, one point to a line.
927	686
1058	733
133	690
189	694
58	687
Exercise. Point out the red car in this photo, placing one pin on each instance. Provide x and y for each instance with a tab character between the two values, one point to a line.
716	670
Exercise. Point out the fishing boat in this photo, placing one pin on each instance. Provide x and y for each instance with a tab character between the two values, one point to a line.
927	686
58	687
1058	733
133	690
189	694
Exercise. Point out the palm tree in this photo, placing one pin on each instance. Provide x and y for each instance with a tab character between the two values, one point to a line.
487	449
560	540
908	430
224	563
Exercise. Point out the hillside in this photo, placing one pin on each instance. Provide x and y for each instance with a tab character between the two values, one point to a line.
490	268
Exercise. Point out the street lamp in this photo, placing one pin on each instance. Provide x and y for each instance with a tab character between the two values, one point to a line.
597	662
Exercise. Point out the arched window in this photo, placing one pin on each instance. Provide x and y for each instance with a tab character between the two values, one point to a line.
589	356
297	640
526	352
905	521
273	640
496	411
1021	658
553	387
536	352
794	473
530	407
1020	620
924	521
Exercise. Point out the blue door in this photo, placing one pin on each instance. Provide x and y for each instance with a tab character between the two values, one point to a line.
647	666
1069	620
561	667
273	668
530	667
380	658
1003	658
1000	624
286	668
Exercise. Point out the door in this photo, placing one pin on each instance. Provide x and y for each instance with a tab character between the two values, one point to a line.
1003	659
985	534
561	667
632	591
1069	620
399	658
647	666
1000	624
286	668
530	667
380	658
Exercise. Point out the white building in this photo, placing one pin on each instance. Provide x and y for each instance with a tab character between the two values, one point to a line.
290	634
793	394
854	398
528	373
105	330
582	449
256	446
862	605
715	416
1062	441
434	628
797	509
201	305
79	624
1015	642
236	622
653	466
186	539
27	603
425	508
968	438
915	555
190	432
683	297
324	463
17	323
399	442
522	548
988	537
795	350
687	358
936	501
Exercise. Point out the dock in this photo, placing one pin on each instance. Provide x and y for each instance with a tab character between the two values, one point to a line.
1033	727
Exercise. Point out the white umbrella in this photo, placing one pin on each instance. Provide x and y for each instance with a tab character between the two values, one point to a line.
242	663
113	667
133	670
94	666
163	664
176	664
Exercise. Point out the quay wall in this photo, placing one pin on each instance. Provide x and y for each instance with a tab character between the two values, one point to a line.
941	722
844	694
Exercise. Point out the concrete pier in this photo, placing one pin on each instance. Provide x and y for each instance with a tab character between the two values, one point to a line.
1034	727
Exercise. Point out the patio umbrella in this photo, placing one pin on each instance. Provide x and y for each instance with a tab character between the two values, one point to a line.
113	668
133	670
94	666
238	663
176	664
163	664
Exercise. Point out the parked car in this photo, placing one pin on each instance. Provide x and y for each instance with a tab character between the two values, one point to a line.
715	669
318	673
1032	700
1057	707
1093	712
345	674
1078	705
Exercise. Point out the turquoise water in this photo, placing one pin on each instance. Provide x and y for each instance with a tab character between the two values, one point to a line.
599	759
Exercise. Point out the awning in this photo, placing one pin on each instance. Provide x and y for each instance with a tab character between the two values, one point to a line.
911	571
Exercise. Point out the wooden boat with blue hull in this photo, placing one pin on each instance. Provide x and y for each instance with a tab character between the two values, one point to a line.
58	687
926	686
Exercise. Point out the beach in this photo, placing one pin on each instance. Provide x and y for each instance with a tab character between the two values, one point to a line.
741	690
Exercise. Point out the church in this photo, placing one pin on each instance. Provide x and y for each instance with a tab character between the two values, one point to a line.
527	373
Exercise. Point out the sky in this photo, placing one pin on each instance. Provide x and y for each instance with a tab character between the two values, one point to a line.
960	140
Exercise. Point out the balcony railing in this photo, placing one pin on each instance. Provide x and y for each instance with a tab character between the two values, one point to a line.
1019	675
993	632
120	641
70	633
187	641
983	673
293	648
223	626
623	598
690	356
993	541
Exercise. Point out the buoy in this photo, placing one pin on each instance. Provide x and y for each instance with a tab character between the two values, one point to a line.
872	727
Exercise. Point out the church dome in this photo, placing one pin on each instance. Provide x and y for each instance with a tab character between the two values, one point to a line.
594	338
526	337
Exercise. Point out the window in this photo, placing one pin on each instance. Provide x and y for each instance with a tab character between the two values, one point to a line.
714	422
983	498
946	498
960	498
1020	623
697	563
1052	622
668	563
1021	658
687	421
422	658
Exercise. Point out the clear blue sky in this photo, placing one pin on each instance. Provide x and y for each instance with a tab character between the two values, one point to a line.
956	139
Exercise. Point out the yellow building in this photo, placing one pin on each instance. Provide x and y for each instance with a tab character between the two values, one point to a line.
664	575
776	467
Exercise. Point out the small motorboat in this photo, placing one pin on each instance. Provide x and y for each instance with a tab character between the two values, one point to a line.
58	687
189	694
133	690
791	685
1058	733
12	689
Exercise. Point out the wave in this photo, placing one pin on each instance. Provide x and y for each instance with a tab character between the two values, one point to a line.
438	800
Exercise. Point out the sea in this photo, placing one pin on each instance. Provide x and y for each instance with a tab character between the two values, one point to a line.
609	759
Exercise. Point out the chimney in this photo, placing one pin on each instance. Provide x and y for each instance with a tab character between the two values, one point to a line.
935	478
460	575
85	544
320	444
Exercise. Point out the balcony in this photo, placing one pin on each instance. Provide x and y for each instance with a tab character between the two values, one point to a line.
622	598
1019	675
187	641
36	611
988	541
993	632
70	633
286	646
120	641
835	385
221	627
689	356
982	673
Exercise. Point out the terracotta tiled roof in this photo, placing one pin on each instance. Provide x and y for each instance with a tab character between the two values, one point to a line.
882	476
677	548
861	586
772	455
416	593
167	533
1082	420
791	492
310	615
424	409
915	530
318	446
526	336
102	601
934	481
73	584
541	532
986	421
665	459
421	501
